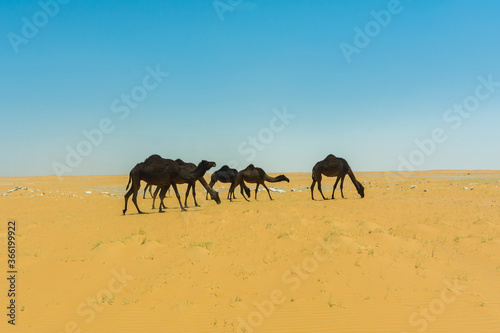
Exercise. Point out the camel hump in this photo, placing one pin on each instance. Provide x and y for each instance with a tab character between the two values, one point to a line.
250	167
179	161
225	168
153	158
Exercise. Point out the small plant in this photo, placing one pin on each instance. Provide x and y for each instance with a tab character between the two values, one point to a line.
283	234
96	245
206	245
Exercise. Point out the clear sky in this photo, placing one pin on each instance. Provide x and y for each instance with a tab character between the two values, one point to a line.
93	87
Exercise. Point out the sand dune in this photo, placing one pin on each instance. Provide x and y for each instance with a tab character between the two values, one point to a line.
403	259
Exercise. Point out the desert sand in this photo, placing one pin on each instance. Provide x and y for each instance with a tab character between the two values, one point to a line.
403	259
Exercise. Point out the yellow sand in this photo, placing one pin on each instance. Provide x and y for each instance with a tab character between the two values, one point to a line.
399	260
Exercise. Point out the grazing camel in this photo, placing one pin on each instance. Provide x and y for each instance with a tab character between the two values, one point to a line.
186	168
226	175
332	166
191	185
251	174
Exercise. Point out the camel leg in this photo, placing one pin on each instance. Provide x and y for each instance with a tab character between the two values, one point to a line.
335	186
256	190
312	188
127	195
154	196
267	191
187	193
178	196
319	189
162	196
231	191
145	189
233	195
134	198
342	186
193	190
151	191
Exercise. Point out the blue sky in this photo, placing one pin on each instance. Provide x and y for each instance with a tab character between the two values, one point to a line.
232	67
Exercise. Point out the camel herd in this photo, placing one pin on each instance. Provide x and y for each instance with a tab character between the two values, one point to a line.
165	173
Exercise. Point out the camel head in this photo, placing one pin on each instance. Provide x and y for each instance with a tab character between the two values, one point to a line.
283	178
206	164
215	197
361	190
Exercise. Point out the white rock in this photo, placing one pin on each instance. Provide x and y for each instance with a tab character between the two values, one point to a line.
465	188
14	189
413	186
88	192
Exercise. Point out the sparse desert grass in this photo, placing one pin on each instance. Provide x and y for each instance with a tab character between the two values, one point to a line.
205	245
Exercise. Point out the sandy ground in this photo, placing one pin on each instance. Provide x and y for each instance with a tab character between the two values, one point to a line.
422	259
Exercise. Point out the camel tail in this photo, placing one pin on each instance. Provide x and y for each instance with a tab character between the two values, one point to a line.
313	173
129	179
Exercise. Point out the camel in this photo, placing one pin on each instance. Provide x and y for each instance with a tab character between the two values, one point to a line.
226	175
154	173
333	166
163	173
186	168
251	174
191	186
